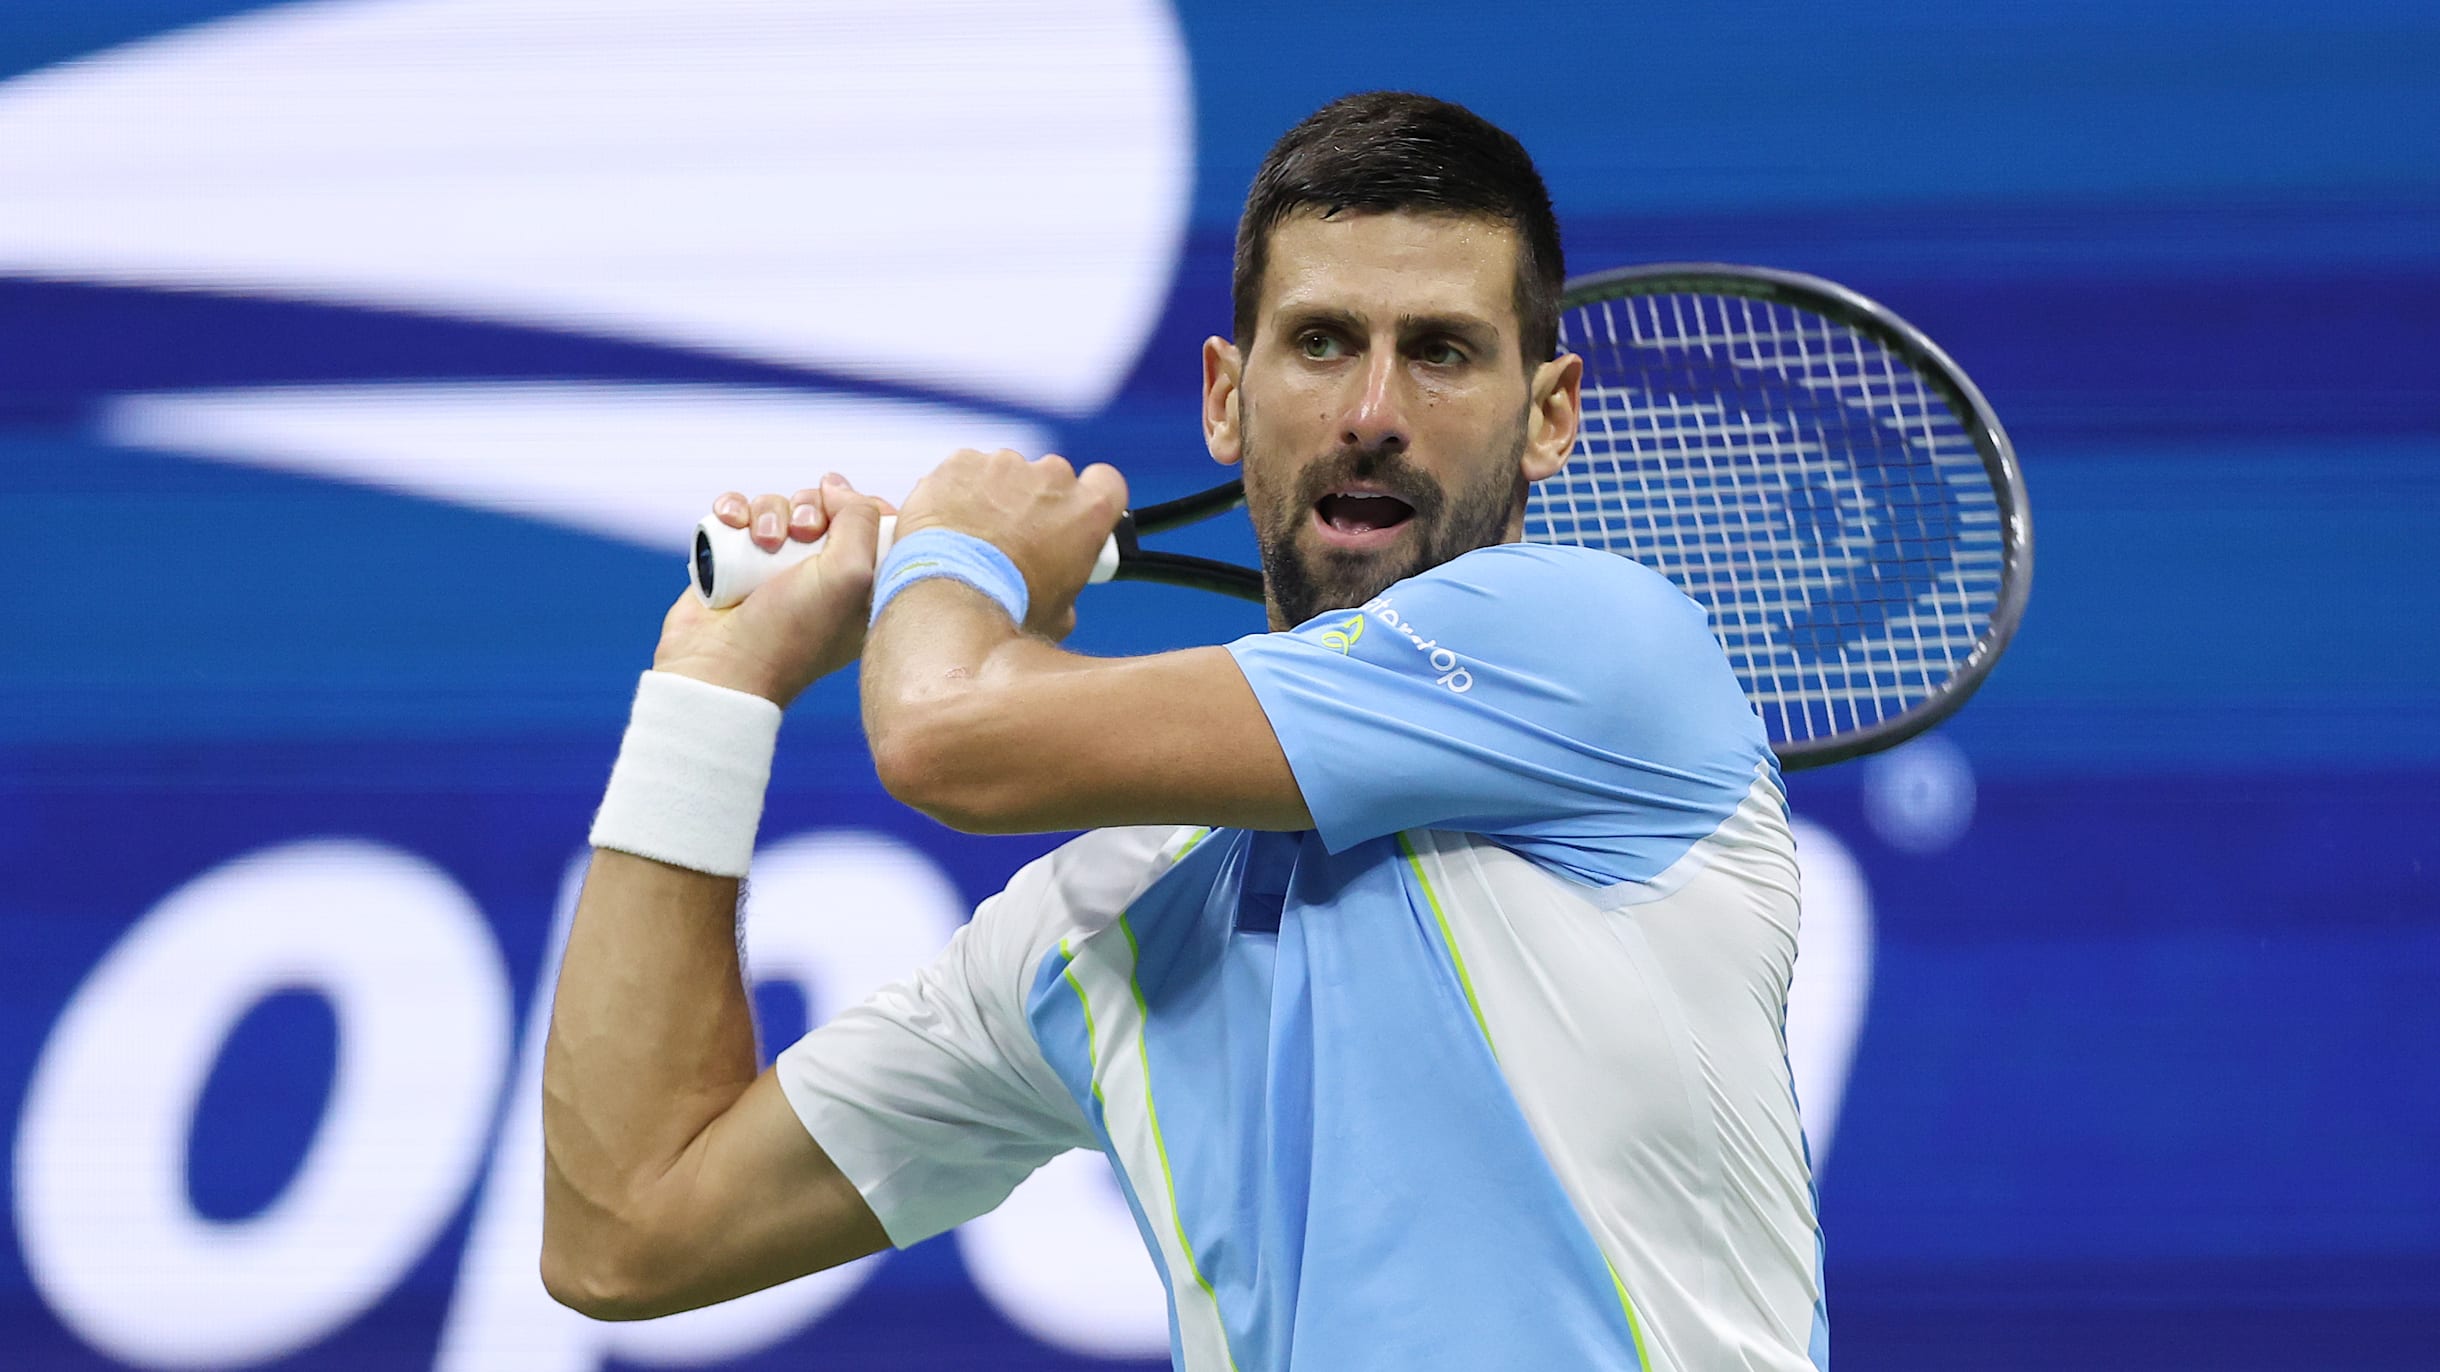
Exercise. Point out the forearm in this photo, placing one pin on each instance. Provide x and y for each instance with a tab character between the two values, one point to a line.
674	1174
991	730
652	1037
932	643
939	659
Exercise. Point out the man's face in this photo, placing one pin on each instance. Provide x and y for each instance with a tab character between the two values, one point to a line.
1384	413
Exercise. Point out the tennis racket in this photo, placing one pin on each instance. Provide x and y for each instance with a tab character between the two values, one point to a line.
1805	465
728	565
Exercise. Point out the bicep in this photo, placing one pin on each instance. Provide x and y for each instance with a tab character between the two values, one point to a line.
1047	740
913	1110
755	1202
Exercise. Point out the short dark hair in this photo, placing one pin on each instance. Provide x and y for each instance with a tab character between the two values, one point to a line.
1393	150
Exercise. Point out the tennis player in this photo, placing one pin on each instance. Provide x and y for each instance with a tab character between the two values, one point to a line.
1423	974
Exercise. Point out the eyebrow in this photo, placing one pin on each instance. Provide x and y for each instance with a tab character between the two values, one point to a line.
1472	328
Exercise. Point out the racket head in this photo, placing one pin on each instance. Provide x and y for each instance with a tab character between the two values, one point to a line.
1816	473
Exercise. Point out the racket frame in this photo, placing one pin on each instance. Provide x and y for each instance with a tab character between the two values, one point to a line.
1136	563
1946	379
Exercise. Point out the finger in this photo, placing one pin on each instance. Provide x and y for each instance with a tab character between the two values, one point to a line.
1104	482
770	521
807	517
731	507
1053	462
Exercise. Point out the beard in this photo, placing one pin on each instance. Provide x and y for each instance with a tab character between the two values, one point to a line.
1302	582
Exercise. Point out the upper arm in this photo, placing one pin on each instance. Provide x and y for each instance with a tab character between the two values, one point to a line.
913	1110
752	1201
1047	740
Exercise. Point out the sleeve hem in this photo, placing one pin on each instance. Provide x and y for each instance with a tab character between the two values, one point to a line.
1310	786
818	1115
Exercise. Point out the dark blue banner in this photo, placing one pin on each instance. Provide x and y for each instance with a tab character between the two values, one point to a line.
363	364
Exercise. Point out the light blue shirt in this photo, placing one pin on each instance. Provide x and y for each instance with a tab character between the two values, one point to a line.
1417	1089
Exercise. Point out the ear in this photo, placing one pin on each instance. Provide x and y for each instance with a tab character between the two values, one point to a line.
1223	426
1555	411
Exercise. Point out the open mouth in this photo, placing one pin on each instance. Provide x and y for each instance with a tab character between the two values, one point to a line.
1361	518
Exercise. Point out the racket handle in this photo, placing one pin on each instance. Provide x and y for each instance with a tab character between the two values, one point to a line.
726	566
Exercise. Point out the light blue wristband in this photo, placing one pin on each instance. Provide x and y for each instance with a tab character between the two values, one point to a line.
959	557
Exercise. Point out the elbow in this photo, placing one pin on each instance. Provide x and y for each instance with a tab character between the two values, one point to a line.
602	1264
605	1283
942	761
592	1287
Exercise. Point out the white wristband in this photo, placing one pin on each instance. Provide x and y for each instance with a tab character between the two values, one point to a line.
688	786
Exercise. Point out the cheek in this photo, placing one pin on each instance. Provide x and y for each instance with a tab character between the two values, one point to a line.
1268	491
1295	406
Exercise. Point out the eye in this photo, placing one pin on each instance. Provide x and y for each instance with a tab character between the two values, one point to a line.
1440	352
1317	345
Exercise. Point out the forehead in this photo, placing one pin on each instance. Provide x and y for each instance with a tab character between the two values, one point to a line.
1391	264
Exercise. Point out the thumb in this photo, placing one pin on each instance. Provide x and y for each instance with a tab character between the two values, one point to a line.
1103	480
853	545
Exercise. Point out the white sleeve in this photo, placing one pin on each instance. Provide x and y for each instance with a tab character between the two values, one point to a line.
932	1096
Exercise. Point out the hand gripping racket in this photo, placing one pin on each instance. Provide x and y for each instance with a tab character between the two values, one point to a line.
727	565
1808	467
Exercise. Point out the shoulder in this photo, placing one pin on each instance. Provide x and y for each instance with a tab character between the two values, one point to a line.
1563	580
1530	602
1547	564
1585	640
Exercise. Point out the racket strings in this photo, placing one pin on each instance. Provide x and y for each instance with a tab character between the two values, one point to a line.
1801	481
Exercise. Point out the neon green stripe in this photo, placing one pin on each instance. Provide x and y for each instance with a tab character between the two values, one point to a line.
1092	1045
1143	1013
1432	898
1635	1326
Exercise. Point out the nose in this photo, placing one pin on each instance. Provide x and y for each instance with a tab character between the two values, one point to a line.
1376	418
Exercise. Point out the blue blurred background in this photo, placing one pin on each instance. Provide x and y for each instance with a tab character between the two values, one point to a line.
362	363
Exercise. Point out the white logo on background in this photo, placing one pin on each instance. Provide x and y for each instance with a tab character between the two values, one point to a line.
984	200
426	1041
985	203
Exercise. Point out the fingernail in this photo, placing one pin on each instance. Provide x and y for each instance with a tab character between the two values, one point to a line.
803	516
729	506
767	526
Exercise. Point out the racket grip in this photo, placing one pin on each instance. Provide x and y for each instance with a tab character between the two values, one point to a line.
726	566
